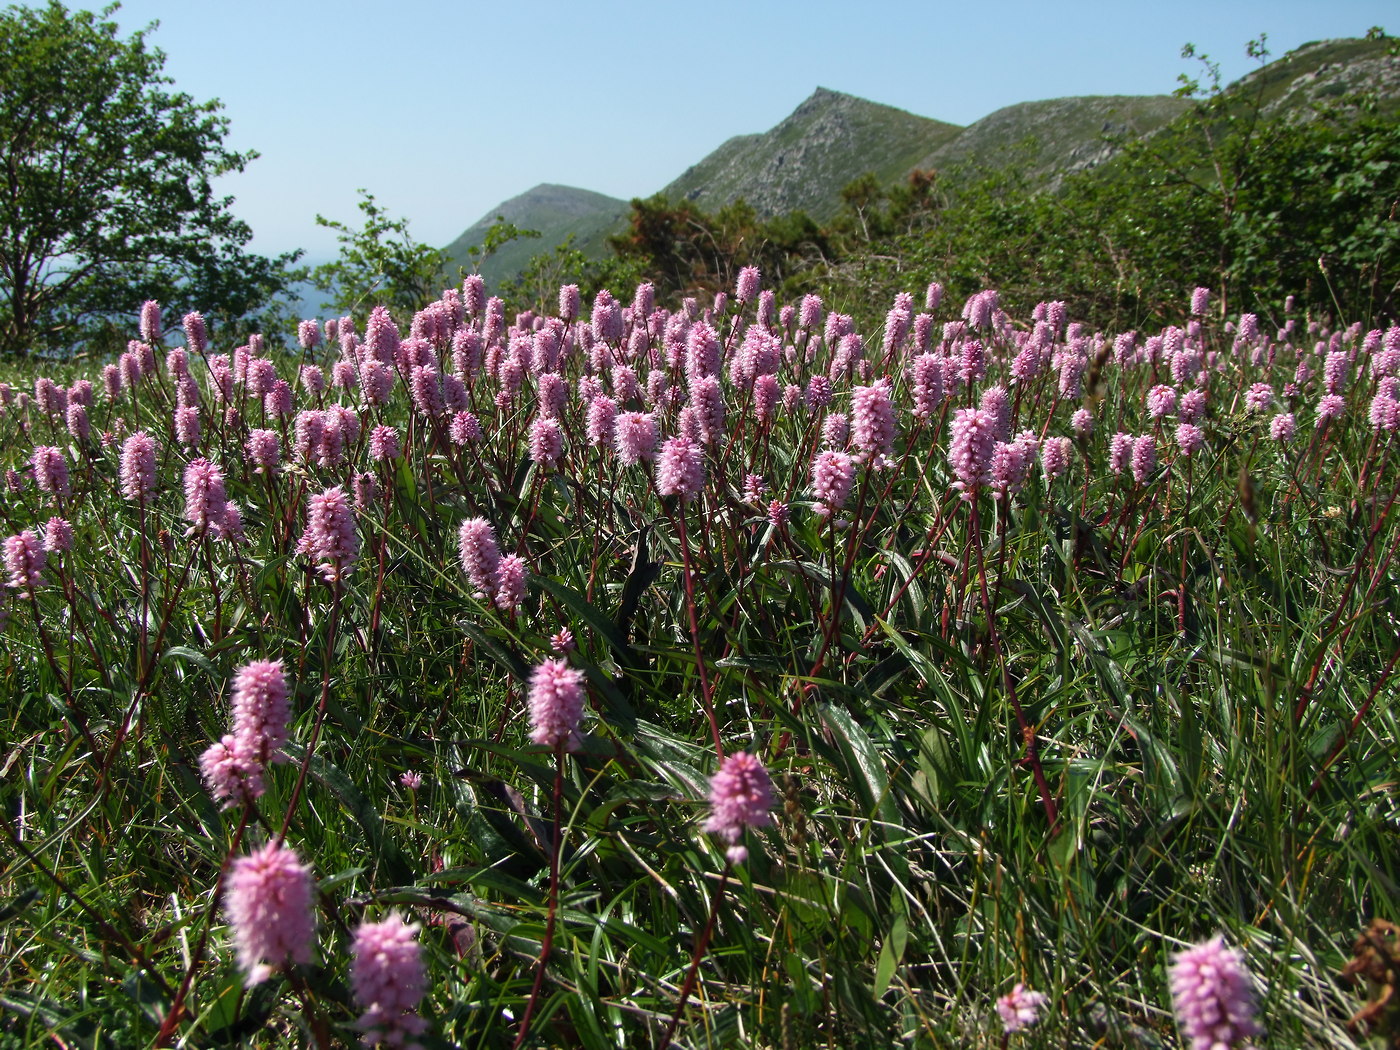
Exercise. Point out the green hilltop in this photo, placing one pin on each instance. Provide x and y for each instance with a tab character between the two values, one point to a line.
831	139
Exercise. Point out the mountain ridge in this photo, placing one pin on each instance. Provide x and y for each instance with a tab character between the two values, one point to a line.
831	138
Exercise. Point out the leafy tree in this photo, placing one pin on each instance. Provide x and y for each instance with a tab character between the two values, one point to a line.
107	192
379	264
683	249
498	235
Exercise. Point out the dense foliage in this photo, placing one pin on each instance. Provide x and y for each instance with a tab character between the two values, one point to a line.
1064	652
107	196
380	264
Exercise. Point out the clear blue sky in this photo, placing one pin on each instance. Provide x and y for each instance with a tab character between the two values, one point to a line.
445	109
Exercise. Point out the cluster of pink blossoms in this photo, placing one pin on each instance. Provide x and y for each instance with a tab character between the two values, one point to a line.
500	578
556	705
330	537
269	903
233	766
741	797
1214	997
389	980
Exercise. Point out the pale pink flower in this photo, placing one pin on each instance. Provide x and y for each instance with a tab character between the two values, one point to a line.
51	471
553	392
1192	406
268	898
384	443
702	352
24	561
196	333
1213	996
1161	401
1054	457
1020	1008
1330	407
261	710
1120	452
607	321
78	425
546	441
680	469
187	426
464	428
1144	460
832	476
766	398
707	405
1259	397
230	775
755	488
836	430
205	497
746	287
970	449
1282	427
309	334
556	704
872	419
818	393
927	376
58	536
741	796
261	376
601	422
264	449
480	556
330	537
512	576
1011	462
568	302
1384	413
389	980
149	321
138	467
1189	438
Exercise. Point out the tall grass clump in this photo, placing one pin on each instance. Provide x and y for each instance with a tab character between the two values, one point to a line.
710	677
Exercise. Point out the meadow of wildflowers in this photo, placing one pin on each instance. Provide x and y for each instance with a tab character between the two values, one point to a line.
717	676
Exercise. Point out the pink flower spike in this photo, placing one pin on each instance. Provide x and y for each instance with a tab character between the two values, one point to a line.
1213	996
58	536
269	898
556	705
330	534
24	561
741	796
51	471
510	592
205	497
680	470
389	981
260	708
480	556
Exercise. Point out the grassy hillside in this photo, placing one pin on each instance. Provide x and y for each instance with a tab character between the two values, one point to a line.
556	212
805	160
1054	136
1324	71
